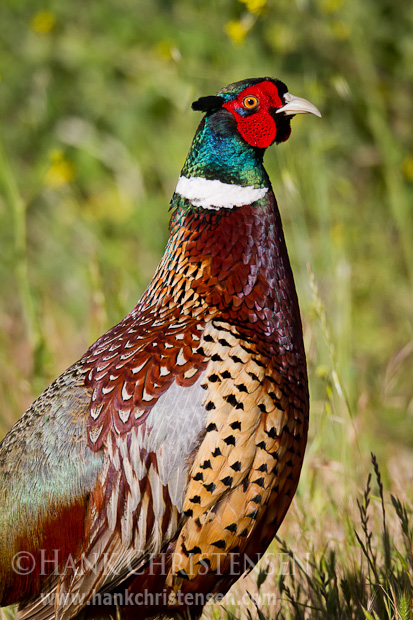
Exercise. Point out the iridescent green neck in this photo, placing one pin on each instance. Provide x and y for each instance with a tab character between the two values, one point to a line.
219	152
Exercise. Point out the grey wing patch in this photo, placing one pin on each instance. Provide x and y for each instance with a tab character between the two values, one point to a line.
175	425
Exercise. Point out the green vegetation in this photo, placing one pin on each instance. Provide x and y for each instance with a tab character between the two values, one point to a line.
95	123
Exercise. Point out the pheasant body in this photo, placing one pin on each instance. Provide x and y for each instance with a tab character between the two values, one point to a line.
181	432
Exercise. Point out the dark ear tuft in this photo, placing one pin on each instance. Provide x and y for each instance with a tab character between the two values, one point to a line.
207	104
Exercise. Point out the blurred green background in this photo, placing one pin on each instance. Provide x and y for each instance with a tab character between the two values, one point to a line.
95	124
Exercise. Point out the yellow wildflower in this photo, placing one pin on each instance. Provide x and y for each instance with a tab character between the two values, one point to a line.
61	170
43	22
237	31
254	6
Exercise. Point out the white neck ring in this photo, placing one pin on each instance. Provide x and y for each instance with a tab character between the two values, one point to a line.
213	194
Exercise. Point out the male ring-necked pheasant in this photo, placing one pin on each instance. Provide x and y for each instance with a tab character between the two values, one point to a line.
146	474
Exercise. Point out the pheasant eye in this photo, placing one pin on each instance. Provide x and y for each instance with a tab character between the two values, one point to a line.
250	102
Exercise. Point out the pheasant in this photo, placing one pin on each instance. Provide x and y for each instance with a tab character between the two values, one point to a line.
158	467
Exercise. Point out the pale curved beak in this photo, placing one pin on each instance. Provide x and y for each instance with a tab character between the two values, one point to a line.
297	105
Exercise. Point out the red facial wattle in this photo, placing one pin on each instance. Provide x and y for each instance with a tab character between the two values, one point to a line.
257	127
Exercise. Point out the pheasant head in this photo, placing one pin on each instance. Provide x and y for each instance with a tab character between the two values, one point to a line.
241	121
